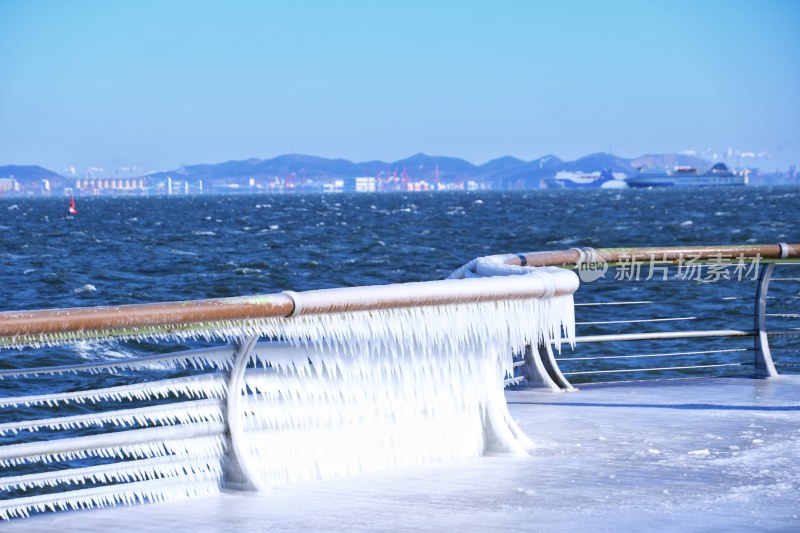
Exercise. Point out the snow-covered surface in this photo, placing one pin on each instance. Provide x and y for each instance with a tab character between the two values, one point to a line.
699	455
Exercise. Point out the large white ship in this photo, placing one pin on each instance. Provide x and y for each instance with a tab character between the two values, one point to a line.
586	180
716	176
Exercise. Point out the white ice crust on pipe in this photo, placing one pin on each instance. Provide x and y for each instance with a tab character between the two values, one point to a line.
496	282
499	265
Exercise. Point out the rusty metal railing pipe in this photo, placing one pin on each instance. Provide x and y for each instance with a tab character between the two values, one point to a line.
177	314
670	253
133	318
574	257
444	292
53	321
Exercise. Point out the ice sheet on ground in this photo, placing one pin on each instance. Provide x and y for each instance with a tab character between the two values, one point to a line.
704	455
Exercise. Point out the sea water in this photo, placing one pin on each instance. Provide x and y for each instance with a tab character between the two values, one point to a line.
145	249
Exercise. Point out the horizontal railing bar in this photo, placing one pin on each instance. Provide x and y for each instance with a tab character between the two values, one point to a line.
679	335
162	410
110	440
702	352
645	302
683	279
166	386
655	335
114	471
745	312
118	493
206	353
519	363
784	315
137	318
671	253
639	321
514	381
659	379
791	331
166	318
784	279
577	257
648	369
130	319
642	302
48	321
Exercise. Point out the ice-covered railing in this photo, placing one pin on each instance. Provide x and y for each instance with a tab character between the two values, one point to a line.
670	312
305	386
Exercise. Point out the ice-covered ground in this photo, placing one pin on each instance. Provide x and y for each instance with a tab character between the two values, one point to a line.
706	455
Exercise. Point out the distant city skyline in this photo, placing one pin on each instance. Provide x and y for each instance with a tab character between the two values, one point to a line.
156	85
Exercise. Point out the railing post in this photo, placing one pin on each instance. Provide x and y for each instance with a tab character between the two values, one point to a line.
551	366
234	416
764	367
541	370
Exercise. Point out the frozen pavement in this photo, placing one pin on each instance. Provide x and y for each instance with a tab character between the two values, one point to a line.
695	455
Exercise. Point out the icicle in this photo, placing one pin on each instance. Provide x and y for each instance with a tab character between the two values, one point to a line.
199	440
129	493
203	386
142	469
390	388
176	413
214	358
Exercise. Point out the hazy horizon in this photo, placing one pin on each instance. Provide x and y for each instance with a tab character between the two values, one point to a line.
157	85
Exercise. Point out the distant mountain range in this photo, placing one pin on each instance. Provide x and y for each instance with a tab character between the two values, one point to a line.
501	173
28	173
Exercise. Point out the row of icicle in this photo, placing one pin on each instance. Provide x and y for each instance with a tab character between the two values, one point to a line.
345	393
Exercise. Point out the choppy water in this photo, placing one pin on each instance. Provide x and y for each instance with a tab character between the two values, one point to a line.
135	250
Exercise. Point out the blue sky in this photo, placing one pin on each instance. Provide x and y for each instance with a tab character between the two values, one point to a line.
158	84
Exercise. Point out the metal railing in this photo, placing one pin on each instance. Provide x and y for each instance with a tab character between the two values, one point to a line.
695	312
146	419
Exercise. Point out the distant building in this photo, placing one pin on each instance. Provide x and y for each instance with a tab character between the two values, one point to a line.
9	185
365	184
333	186
94	185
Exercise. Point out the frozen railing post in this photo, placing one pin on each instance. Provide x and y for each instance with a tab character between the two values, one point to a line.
538	366
764	367
540	370
385	376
